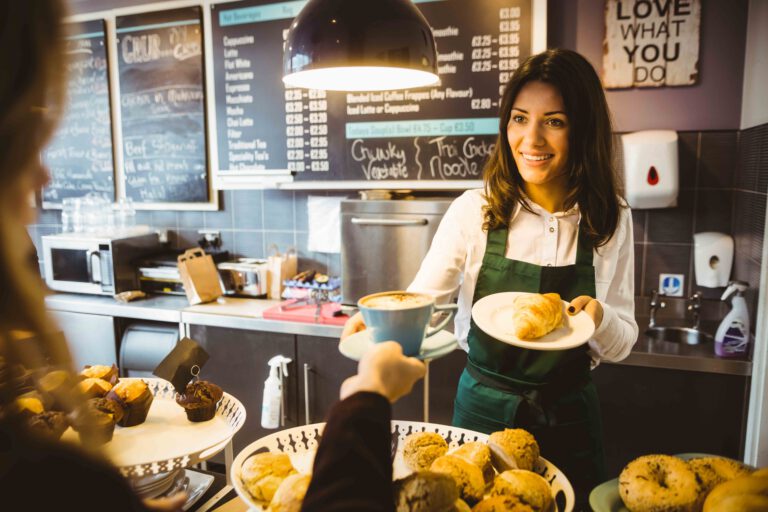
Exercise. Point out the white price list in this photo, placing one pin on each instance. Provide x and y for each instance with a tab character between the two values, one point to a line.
306	129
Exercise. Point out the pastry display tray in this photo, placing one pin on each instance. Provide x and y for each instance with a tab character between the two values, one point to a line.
300	443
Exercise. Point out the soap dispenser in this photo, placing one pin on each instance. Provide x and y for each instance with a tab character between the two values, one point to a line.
732	337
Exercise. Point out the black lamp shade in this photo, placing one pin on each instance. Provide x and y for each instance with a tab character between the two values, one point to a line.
372	41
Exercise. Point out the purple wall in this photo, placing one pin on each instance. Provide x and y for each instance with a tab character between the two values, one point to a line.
712	104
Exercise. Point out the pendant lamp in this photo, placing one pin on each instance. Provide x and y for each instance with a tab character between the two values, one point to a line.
360	45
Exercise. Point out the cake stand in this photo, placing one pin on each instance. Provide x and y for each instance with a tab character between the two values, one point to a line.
154	454
300	444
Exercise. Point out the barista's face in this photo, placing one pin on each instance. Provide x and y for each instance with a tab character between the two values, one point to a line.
538	136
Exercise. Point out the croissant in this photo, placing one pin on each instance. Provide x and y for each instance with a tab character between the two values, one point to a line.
536	315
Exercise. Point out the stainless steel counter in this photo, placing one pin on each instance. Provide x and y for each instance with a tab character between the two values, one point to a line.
247	314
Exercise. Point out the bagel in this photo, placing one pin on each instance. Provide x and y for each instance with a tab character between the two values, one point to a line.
742	494
656	483
712	471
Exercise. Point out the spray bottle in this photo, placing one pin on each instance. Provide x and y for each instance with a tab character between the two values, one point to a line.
271	406
732	337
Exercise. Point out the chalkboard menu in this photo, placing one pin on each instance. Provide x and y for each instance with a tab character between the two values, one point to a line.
160	65
444	132
80	157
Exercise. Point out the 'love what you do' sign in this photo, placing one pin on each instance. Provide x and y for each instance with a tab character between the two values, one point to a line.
651	43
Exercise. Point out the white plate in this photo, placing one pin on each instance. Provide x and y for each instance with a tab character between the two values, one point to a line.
300	444
167	440
437	345
493	314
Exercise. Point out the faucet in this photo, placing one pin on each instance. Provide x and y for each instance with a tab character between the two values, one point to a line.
655	304
694	305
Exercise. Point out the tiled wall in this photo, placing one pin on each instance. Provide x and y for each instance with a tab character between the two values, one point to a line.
723	180
750	188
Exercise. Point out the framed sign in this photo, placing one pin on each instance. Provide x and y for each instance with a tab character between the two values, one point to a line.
651	43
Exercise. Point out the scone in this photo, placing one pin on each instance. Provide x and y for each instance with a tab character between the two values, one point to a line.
468	477
425	491
263	473
422	448
528	487
290	494
478	454
518	444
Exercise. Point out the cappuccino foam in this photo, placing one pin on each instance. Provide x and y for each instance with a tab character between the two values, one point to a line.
396	301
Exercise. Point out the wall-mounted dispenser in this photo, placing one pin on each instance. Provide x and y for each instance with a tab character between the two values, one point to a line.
712	258
651	169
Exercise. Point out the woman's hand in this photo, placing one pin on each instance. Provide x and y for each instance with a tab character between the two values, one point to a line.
590	306
385	370
353	325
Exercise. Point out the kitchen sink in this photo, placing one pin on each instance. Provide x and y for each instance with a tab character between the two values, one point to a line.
684	335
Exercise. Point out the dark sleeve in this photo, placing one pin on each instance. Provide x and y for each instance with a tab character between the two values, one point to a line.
353	465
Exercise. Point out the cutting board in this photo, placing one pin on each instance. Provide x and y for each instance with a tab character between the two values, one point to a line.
306	313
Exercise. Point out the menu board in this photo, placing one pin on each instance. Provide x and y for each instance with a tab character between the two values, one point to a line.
444	132
162	112
79	157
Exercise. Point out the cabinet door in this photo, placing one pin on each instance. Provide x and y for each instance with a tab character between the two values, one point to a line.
652	410
238	364
91	338
326	369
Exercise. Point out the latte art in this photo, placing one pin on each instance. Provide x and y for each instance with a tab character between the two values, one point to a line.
398	300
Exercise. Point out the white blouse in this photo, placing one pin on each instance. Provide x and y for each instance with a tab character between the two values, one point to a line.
540	238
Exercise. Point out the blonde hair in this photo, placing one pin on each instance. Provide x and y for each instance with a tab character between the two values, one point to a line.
32	82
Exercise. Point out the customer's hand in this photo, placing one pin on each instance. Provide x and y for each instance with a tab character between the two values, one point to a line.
353	325
385	370
591	307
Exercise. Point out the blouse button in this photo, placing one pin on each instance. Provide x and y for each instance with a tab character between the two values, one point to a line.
551	219
551	230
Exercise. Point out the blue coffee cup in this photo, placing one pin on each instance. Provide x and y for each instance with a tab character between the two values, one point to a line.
402	317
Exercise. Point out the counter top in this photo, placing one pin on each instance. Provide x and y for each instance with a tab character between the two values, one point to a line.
246	314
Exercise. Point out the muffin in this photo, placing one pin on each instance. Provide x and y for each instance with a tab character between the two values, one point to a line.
199	400
468	477
478	454
55	386
93	387
518	444
425	491
28	406
422	448
100	371
263	473
50	424
135	398
95	420
290	494
528	487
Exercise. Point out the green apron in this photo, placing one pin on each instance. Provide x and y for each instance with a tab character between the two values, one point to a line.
548	393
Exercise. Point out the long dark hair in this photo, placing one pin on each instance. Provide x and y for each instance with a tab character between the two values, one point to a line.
33	64
591	176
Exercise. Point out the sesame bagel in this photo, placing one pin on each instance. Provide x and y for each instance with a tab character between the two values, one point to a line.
656	483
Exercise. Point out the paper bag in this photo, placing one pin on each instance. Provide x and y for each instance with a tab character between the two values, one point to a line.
279	268
199	276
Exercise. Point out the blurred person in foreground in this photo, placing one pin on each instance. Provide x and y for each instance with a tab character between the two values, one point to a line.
37	473
353	467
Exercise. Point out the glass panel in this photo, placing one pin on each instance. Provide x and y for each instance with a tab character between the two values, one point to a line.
70	265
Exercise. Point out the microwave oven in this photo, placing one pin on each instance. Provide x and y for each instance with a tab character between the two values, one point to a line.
95	263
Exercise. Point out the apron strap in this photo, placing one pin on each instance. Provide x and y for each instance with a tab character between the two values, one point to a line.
584	254
497	242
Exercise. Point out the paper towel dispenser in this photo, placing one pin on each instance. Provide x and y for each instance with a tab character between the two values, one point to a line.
651	178
144	345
